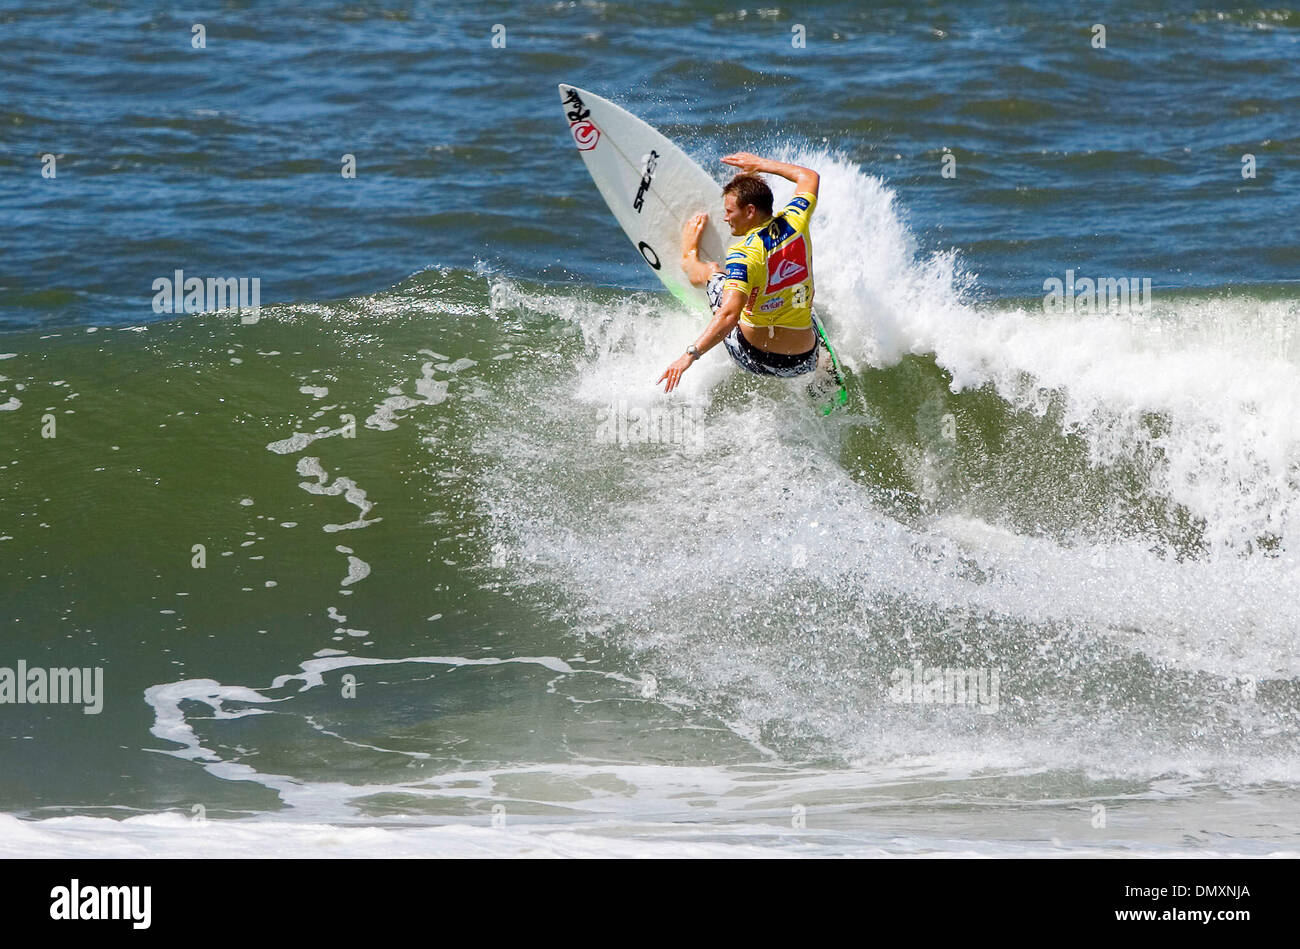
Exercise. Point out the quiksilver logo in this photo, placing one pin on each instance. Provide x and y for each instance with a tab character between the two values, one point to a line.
103	902
786	270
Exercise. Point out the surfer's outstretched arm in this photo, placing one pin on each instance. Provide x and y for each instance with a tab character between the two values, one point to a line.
698	270
724	321
805	179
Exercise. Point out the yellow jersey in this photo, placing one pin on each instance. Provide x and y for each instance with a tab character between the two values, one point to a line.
772	267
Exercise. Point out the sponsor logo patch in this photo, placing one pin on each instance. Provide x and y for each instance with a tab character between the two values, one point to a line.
738	272
773	304
775	233
788	265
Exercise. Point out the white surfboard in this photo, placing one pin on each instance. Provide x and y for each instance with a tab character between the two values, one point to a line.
650	184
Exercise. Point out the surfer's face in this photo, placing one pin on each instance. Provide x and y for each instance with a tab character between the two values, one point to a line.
741	219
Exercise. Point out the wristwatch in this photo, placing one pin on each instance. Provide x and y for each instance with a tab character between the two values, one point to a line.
693	351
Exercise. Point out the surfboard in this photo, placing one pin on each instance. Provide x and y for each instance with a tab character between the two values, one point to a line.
651	186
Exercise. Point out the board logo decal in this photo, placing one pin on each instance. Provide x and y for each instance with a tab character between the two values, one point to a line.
650	162
649	254
576	111
787	265
585	135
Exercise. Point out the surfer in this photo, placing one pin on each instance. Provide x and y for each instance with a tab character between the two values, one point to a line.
762	301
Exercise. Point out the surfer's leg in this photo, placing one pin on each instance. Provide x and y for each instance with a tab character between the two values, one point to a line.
829	376
824	360
698	271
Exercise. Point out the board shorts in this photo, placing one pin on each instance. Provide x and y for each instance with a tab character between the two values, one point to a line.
748	356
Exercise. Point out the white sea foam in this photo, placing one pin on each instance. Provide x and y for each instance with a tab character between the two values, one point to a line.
311	467
431	391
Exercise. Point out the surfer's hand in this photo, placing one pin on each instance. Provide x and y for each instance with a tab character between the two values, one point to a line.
691	232
749	164
674	372
805	179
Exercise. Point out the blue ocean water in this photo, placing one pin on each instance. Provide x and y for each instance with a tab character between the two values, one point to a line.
227	159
